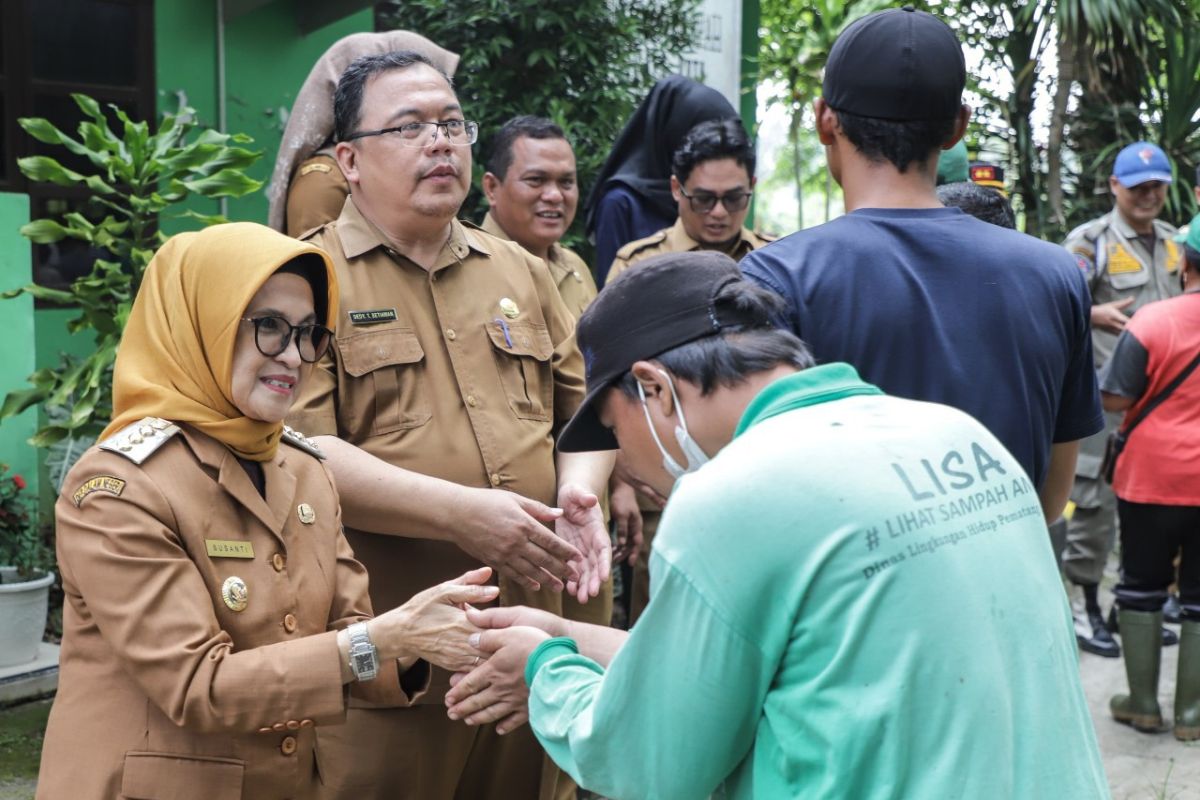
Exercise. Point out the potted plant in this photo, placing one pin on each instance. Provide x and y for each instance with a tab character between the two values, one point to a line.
25	576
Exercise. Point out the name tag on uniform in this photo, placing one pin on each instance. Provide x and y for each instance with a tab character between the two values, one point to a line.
228	548
373	316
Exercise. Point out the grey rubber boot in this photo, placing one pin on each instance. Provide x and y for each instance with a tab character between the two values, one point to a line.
1142	635
1187	684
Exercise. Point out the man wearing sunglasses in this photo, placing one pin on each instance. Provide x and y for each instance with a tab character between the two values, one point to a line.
712	180
453	363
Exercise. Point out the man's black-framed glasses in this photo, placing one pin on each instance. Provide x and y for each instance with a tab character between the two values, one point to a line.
418	134
704	202
272	335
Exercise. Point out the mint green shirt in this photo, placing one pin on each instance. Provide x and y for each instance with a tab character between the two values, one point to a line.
856	598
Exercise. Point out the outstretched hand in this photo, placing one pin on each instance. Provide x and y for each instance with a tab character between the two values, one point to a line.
495	691
582	526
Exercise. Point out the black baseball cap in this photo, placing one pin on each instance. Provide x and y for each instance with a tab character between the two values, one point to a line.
899	64
657	305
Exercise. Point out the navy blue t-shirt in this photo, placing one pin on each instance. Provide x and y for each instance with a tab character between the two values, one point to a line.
622	216
934	304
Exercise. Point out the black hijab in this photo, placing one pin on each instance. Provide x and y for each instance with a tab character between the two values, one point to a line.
641	157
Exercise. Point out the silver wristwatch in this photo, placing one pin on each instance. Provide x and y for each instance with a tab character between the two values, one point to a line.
364	659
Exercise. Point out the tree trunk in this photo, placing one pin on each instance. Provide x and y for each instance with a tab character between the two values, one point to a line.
794	135
1058	125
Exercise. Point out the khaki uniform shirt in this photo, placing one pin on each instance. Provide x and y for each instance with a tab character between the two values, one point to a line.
462	372
675	240
316	194
1117	265
570	273
166	688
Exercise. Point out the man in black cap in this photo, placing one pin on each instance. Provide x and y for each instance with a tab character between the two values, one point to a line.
925	301
826	612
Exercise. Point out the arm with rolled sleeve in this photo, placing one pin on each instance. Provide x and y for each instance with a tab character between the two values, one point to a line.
685	693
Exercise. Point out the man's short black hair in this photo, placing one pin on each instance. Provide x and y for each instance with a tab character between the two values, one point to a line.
729	357
347	97
711	140
899	143
983	202
528	126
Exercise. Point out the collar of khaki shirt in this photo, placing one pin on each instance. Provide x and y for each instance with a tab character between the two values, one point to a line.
678	241
1162	230
555	258
359	236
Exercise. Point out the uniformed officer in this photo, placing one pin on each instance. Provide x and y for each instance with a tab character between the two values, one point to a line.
307	189
454	361
712	181
213	610
1130	258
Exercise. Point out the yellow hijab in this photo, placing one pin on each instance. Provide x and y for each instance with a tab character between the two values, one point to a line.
176	355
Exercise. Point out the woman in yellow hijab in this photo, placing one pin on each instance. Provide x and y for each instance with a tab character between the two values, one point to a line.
214	612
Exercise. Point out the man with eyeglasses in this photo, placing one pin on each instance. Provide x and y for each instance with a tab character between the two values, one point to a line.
453	363
712	179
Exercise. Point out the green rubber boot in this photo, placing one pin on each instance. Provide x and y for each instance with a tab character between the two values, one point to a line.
1187	685
1141	633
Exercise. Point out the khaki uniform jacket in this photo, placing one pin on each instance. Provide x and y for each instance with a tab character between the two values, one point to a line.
316	194
165	689
462	372
1117	266
570	272
676	240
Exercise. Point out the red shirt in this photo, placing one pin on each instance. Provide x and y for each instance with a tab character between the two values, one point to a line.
1161	460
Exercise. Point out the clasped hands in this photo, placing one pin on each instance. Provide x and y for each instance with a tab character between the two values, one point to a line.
495	690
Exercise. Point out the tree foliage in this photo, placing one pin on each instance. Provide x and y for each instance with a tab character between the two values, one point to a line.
585	64
136	178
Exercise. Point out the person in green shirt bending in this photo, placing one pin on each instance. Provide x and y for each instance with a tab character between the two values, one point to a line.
852	595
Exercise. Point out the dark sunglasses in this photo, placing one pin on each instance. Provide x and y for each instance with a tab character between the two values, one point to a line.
272	335
704	202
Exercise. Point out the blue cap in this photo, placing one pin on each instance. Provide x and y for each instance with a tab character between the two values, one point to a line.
1141	162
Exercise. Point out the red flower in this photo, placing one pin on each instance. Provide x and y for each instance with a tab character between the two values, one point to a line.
18	481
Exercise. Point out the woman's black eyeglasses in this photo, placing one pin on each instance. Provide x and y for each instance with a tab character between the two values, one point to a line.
272	335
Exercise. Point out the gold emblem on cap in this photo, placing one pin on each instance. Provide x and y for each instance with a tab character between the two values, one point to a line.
306	514
235	594
509	308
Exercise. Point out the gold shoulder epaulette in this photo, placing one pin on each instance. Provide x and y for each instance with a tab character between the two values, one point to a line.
635	247
297	439
139	441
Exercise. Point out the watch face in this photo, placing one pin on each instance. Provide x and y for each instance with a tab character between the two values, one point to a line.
363	662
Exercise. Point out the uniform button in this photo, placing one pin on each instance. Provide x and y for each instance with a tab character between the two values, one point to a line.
264	730
495	479
306	723
293	725
450	334
471	401
279	727
288	745
277	562
289	623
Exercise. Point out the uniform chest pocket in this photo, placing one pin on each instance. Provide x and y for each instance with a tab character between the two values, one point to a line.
1123	268
522	351
390	362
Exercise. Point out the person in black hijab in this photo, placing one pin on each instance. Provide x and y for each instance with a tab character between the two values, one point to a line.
631	198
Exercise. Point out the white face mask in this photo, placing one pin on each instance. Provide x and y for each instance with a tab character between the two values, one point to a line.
696	458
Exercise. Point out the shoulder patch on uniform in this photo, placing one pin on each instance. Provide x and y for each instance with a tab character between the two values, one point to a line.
139	441
319	166
298	440
635	247
98	483
1085	263
767	237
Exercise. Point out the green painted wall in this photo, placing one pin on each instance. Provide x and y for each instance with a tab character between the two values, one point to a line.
16	346
266	60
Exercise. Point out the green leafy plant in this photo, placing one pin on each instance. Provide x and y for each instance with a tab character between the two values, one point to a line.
21	543
136	178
